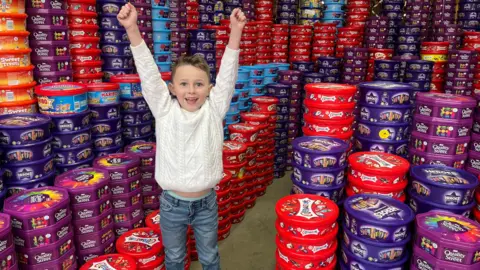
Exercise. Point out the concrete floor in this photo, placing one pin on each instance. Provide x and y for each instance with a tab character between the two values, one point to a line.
251	244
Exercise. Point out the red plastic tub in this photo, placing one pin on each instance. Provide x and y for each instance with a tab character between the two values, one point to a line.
79	30
395	191
88	78
85	43
225	183
91	55
288	260
82	18
380	54
87	67
264	104
328	126
143	244
434	47
380	169
329	111
332	93
306	215
153	221
234	152
243	133
351	190
237	170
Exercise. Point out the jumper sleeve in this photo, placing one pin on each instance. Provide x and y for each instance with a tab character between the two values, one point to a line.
222	93
154	89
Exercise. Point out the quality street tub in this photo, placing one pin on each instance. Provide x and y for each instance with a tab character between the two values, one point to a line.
445	106
443	185
21	129
115	261
85	185
120	166
378	218
449	237
319	152
37	208
439	145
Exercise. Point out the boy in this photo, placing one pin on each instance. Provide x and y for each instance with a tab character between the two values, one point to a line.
189	139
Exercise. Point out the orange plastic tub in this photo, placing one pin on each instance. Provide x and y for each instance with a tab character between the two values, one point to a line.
13	6
21	92
15	58
14	40
27	106
13	22
16	76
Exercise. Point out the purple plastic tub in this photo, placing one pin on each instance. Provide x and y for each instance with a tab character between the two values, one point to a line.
443	185
328	62
43	237
336	71
150	186
45	253
62	168
13	188
47	33
312	77
51	64
393	65
127	214
101	152
115	49
303	66
55	17
6	239
146	152
318	177
108	140
92	240
70	122
442	127
459	73
137	117
94	224
127	200
100	127
207	45
373	251
37	208
290	76
334	193
319	152
71	138
277	89
460	64
49	48
67	261
382	114
419	86
445	105
92	253
351	261
419	65
420	158
28	171
21	129
444	238
9	258
203	34
378	218
411	75
16	154
385	93
138	130
125	186
383	131
85	185
73	155
134	104
92	209
439	145
421	205
125	226
108	111
147	138
151	197
120	166
110	21
148	173
399	148
50	77
423	260
112	62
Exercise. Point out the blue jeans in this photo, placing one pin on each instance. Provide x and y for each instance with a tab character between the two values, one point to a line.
202	215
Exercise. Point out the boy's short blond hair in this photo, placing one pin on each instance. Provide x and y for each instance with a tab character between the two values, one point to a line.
192	60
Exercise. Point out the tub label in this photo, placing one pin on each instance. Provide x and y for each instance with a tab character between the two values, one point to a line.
86	229
25	174
374	233
463	131
423	264
66	125
440	148
452	198
359	249
466	113
447	177
40	35
38	19
86	213
421	189
454	255
43	257
32	135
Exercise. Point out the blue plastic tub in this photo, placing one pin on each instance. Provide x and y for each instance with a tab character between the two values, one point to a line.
241	84
334	7
255	81
163	57
161	24
160	12
269	79
282	66
233	107
162	46
254	70
161	35
165	67
243	74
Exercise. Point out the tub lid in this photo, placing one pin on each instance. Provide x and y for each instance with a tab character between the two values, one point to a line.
320	145
18	103
444	176
307	209
449	229
61	89
385	86
234	147
125	78
379	163
140	243
100	87
83	179
14	121
153	220
142	149
278	86
445	99
111	261
254	116
34	200
379	210
265	99
17	33
330	88
117	160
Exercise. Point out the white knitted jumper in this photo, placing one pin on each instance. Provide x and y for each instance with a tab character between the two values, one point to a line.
189	144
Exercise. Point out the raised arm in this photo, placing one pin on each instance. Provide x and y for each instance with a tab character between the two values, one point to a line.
222	94
154	89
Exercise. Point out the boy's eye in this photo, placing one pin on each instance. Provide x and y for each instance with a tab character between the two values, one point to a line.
199	84
183	84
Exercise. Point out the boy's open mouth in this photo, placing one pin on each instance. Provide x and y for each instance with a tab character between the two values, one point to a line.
191	101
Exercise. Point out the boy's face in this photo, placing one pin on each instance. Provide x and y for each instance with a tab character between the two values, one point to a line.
191	86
